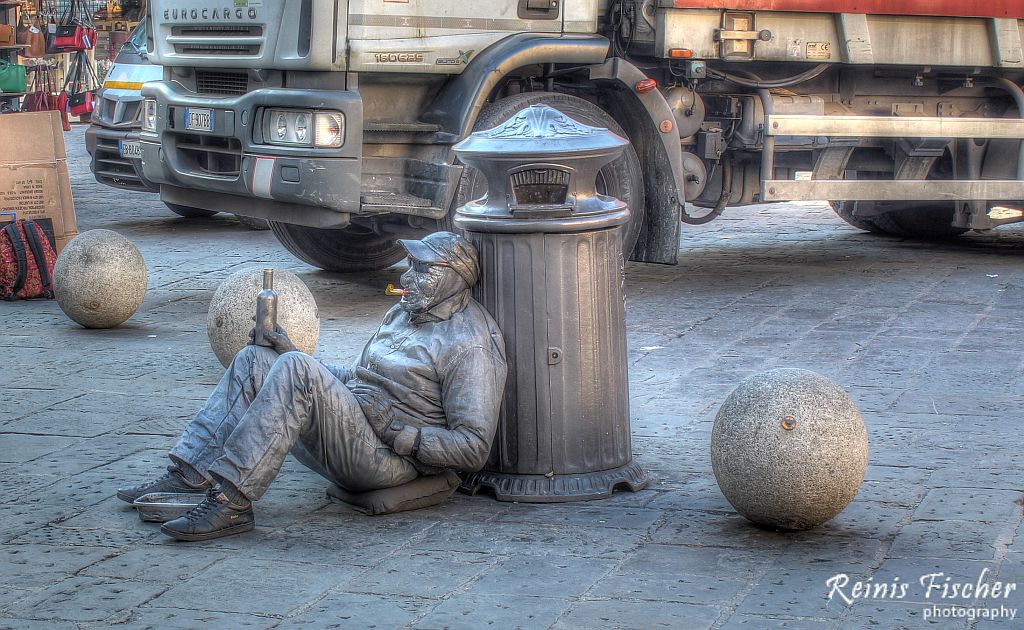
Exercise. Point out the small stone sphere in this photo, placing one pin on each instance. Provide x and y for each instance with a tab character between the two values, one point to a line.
789	449
233	306
100	279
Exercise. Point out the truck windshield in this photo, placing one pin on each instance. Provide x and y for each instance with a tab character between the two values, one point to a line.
137	40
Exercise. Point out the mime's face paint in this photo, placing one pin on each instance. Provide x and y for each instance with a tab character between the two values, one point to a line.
421	287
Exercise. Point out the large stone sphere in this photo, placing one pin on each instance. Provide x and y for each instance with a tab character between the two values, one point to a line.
100	279
234	304
789	449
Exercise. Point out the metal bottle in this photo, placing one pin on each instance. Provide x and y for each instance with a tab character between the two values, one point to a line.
266	309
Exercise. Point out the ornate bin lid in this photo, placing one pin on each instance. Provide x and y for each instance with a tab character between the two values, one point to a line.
541	168
540	131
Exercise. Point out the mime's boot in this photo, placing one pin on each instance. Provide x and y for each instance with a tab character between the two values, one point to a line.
173	481
215	517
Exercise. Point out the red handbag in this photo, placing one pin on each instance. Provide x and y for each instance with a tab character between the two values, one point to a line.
76	31
42	90
74	37
81	103
78	97
62	107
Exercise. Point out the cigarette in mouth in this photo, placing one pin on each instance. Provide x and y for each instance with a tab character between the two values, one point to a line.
391	290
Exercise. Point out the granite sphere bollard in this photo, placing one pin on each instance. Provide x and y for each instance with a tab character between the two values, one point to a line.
100	279
230	317
789	449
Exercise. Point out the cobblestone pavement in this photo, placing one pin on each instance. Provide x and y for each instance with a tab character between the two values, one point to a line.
925	337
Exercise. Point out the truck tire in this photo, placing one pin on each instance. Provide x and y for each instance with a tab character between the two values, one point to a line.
253	223
622	179
911	222
908	219
845	211
934	221
189	212
350	249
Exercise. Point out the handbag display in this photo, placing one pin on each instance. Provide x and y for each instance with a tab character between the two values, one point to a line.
50	34
12	77
74	38
7	37
78	97
42	90
21	33
81	103
35	42
76	31
62	107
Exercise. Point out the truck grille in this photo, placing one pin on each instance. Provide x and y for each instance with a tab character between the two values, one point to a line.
220	40
218	82
113	170
212	155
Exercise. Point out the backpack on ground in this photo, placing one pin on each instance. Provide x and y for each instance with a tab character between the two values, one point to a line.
26	262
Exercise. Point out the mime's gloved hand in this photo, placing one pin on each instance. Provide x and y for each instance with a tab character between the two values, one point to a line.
402	438
376	407
279	340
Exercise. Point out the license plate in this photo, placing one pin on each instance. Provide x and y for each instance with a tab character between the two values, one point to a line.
130	149
199	118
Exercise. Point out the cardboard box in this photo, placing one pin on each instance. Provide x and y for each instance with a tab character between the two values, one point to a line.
34	181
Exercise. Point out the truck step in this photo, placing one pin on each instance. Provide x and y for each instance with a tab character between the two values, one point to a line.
415	127
400	203
406	133
893	126
394	199
892	190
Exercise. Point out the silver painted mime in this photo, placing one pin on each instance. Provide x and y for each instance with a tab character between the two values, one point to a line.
424	395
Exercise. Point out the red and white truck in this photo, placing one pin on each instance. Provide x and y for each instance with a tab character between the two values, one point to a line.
335	119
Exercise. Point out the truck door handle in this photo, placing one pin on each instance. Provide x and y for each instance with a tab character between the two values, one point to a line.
538	9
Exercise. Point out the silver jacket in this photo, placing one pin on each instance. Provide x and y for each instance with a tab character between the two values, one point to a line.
444	375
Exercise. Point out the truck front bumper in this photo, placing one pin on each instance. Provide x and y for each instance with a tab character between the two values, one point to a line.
104	145
241	175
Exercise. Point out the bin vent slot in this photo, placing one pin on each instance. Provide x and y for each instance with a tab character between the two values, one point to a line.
540	187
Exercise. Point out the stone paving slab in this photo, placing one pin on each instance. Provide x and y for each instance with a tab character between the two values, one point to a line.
924	336
473	610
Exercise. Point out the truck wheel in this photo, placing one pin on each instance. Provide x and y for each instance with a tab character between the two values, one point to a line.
189	212
933	221
354	248
909	221
845	210
622	178
253	223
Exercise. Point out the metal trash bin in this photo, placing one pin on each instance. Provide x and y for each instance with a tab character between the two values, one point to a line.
551	258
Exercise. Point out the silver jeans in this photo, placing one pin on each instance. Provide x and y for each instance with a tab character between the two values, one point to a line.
266	406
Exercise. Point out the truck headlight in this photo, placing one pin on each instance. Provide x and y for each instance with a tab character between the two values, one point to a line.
304	128
330	129
149	115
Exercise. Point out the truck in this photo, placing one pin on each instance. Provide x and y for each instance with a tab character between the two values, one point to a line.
335	120
112	139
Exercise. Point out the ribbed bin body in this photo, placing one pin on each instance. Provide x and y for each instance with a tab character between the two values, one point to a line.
564	428
552	271
568	405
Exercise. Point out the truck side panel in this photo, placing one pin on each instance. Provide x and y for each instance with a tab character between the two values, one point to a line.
953	8
848	38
